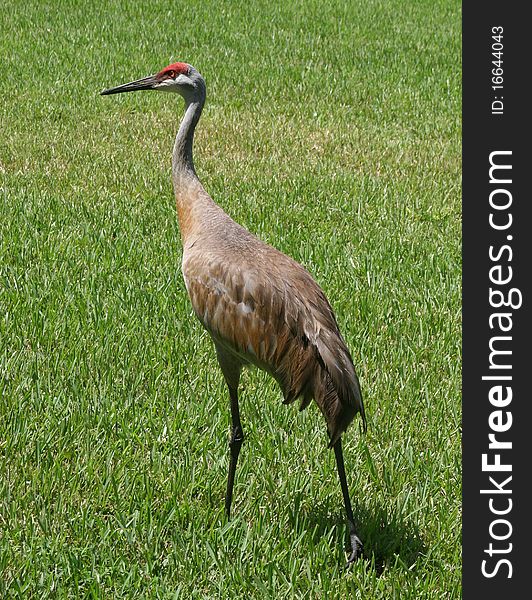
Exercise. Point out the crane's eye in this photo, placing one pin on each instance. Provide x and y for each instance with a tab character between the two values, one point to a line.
171	74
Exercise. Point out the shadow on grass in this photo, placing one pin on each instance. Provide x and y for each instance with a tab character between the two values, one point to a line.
388	539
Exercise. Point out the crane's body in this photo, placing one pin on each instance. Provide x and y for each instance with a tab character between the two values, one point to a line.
260	306
263	308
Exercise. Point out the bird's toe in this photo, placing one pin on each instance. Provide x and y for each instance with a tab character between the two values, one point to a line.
357	549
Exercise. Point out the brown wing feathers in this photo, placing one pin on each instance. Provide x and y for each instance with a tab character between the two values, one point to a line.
285	327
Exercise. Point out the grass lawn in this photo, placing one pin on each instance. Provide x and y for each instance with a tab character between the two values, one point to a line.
332	130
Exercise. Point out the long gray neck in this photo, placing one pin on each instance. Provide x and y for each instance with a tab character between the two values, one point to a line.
182	161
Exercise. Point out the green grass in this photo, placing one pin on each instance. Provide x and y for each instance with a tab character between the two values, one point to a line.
332	130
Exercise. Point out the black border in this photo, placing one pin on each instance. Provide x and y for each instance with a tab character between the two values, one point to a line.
483	133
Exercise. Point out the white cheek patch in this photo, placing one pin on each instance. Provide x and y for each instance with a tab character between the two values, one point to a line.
183	80
168	85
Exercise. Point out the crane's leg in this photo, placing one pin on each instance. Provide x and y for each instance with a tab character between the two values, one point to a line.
356	544
235	443
231	369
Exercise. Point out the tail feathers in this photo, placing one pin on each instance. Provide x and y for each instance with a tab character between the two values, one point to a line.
326	373
338	414
341	396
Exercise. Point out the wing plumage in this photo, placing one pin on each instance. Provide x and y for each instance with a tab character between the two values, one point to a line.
267	310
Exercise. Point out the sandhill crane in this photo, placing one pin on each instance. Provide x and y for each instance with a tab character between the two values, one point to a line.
260	307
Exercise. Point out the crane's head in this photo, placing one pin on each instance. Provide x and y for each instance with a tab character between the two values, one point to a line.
178	77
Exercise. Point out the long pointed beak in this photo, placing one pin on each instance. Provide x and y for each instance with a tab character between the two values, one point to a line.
146	83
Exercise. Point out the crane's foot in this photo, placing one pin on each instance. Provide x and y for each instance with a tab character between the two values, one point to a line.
357	549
